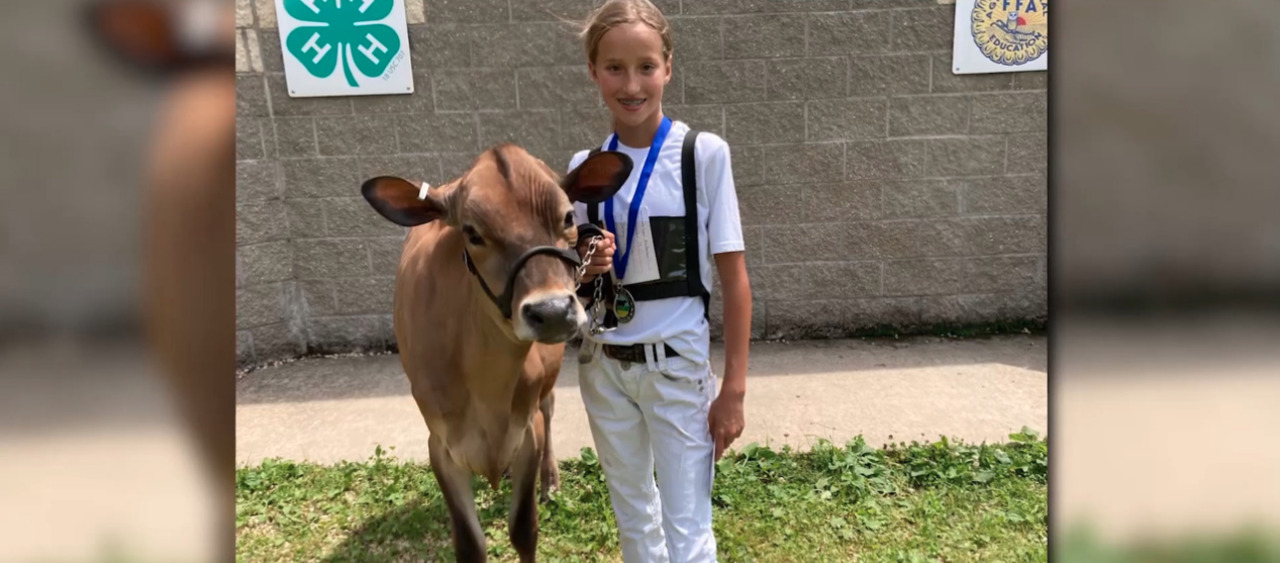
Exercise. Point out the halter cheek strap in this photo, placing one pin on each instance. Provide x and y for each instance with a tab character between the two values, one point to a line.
504	301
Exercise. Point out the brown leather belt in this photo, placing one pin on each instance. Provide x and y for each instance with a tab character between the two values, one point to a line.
633	353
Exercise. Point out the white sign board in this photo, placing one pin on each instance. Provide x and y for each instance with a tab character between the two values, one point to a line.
1000	36
344	47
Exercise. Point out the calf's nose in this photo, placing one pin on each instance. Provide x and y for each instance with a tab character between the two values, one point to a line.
551	317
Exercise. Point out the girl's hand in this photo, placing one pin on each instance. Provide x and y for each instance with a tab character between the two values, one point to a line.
726	420
602	260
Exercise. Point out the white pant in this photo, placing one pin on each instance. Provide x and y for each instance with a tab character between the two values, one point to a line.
654	415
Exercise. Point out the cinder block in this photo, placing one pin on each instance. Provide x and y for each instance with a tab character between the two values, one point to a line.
919	198
841	280
703	118
697	39
415	12
924	29
474	89
467	11
244	348
1024	194
438	132
840	203
1028	153
1005	235
529	128
705	7
420	101
249	140
555	87
748	165
317	299
331	258
945	81
761	205
321	177
356	218
251	96
768	123
1035	80
709	82
414	167
306	218
358	135
850	119
266	10
849	33
259	305
919	238
257	180
266	262
283	105
358	296
880	75
296	137
764	36
520	45
244	13
348	334
386	252
1010	113
441	46
930	276
807	79
276	342
587	127
804	163
967	156
259	221
895	158
269	45
928	115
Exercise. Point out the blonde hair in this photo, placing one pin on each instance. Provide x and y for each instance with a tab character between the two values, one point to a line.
614	13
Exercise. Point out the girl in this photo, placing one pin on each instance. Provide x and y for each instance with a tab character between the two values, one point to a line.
647	384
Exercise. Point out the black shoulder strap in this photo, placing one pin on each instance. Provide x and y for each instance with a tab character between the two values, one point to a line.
689	173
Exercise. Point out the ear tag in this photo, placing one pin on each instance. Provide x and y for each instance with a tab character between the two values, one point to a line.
422	193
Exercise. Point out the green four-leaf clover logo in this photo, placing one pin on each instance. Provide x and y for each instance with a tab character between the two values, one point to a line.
346	33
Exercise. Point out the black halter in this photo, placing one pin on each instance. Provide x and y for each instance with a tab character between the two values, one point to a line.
504	301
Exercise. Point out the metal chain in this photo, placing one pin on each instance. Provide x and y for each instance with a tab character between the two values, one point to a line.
597	296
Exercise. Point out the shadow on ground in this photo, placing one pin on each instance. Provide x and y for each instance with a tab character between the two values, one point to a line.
382	375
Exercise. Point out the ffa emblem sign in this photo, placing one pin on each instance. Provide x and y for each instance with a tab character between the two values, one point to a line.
1000	36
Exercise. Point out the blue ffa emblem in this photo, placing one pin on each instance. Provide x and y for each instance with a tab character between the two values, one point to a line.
1011	32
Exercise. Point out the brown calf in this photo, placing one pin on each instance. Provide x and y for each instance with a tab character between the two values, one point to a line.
484	301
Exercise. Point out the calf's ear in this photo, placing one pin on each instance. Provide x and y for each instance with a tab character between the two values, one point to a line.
598	177
163	36
405	203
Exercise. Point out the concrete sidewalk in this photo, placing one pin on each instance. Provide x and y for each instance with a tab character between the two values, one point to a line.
330	409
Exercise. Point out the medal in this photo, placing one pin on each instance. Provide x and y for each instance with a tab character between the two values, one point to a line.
624	306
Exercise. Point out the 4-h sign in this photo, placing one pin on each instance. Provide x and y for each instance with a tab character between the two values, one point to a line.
344	47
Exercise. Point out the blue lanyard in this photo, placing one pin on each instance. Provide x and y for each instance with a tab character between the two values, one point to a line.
621	264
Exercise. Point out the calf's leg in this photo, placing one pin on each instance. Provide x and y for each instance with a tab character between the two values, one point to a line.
455	483
550	471
523	522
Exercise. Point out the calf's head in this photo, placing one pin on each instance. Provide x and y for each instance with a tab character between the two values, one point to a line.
515	218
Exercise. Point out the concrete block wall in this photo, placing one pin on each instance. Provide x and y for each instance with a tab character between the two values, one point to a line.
877	188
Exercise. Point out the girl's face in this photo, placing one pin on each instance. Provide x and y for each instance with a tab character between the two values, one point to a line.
631	72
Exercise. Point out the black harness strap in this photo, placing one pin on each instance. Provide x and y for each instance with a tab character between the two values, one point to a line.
693	249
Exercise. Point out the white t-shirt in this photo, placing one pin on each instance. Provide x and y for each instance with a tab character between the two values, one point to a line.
677	321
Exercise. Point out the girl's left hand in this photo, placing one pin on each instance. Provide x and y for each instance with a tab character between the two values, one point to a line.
726	420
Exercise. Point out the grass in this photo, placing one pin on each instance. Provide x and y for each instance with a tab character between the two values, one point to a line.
941	501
